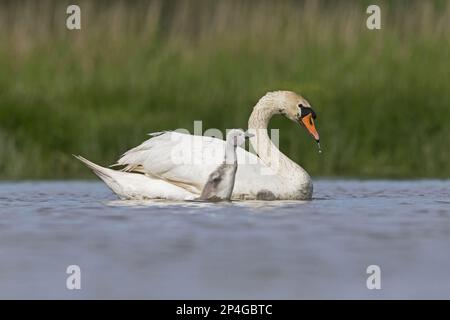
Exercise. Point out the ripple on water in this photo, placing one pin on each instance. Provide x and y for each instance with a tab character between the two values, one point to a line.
243	249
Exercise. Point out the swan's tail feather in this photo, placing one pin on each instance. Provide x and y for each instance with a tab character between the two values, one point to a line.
129	185
107	175
98	170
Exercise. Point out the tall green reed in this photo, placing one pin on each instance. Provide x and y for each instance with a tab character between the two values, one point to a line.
382	96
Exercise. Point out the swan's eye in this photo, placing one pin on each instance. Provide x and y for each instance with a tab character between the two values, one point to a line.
305	111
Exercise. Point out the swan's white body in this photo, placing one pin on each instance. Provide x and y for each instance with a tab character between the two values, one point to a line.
176	166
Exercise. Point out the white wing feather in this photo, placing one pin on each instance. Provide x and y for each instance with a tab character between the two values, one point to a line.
187	160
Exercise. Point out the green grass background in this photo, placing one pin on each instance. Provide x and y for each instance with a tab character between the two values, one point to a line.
382	97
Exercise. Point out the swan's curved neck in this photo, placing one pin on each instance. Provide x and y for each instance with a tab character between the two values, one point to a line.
263	145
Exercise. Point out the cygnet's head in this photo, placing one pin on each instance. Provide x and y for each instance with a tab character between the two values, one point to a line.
236	137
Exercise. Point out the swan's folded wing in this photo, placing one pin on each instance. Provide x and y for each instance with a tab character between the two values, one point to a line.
187	161
179	158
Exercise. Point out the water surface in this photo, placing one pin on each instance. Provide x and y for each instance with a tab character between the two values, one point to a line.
251	250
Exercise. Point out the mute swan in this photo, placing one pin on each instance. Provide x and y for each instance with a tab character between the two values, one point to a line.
220	182
158	168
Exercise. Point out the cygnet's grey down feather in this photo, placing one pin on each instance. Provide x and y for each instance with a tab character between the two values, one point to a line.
220	183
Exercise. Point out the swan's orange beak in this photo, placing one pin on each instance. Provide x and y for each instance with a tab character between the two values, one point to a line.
308	122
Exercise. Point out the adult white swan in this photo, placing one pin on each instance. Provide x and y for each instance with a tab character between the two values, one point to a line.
175	166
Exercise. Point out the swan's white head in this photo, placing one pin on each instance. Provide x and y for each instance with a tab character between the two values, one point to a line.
236	137
295	107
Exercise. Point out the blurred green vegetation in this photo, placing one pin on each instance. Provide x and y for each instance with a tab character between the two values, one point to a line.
382	97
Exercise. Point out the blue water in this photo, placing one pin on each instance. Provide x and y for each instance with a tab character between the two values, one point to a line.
251	250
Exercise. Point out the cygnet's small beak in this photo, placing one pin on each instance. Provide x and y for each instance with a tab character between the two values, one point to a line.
248	135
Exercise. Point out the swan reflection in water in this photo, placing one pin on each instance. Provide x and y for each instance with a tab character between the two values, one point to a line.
197	204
